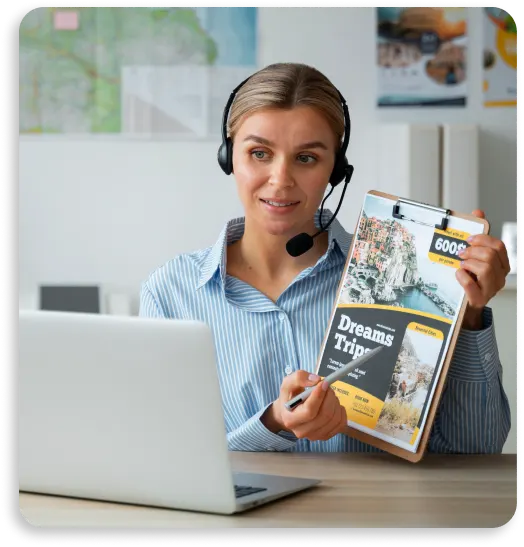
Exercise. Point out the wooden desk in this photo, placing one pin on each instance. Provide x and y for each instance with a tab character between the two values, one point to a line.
358	490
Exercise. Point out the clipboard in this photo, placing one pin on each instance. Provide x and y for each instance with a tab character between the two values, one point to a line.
438	218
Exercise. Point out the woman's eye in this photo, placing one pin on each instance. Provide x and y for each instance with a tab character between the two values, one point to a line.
305	158
258	154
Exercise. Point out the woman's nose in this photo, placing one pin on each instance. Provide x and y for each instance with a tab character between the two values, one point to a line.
281	173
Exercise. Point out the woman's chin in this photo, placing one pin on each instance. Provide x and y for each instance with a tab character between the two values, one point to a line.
277	231
279	228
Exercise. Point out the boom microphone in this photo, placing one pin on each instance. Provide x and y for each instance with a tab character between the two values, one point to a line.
301	243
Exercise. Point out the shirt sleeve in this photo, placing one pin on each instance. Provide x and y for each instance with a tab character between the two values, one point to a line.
149	305
253	436
473	415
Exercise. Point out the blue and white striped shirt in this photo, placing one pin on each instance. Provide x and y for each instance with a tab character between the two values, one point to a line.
259	341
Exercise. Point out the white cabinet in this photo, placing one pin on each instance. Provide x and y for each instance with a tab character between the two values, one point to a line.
409	161
460	167
433	163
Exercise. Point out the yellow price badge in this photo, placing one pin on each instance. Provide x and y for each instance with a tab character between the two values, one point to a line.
445	246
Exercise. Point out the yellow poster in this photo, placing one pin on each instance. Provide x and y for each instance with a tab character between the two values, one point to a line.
500	58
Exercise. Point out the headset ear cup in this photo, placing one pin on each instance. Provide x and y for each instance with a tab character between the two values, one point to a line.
225	156
230	155
339	170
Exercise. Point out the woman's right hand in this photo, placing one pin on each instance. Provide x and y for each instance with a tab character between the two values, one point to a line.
319	418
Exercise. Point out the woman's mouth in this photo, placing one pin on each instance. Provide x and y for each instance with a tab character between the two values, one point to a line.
279	206
279	203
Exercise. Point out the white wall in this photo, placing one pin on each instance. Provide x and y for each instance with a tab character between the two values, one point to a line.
110	211
107	211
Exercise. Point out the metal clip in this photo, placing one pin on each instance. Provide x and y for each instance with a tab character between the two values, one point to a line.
443	223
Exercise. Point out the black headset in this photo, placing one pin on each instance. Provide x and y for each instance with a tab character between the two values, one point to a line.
301	243
341	169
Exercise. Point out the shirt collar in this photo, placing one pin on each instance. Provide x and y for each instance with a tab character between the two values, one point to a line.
215	263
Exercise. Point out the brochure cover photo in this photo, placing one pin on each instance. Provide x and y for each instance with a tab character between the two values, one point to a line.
399	291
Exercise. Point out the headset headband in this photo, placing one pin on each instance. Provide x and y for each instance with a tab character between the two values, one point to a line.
347	120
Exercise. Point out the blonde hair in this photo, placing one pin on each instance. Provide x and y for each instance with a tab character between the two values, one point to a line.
285	86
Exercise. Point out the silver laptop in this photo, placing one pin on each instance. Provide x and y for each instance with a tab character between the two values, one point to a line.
128	409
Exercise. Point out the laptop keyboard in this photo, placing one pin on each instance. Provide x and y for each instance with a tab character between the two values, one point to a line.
241	491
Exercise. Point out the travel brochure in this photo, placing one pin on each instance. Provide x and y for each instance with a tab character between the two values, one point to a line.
398	290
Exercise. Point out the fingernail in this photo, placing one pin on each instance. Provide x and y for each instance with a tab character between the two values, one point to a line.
470	239
325	386
461	252
314	378
462	263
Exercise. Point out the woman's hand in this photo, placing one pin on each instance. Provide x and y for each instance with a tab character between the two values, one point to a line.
482	274
319	418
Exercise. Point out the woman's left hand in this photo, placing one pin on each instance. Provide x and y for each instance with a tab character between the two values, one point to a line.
482	274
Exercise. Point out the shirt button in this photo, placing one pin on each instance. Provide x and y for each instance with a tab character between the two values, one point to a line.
288	370
282	317
487	357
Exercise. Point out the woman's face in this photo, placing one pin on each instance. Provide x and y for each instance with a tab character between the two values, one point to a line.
282	160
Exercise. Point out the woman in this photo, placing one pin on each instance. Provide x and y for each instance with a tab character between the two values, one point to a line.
269	311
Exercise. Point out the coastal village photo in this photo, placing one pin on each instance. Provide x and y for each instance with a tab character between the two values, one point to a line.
390	266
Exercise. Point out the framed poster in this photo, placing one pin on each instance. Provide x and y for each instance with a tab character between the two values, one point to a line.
421	56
